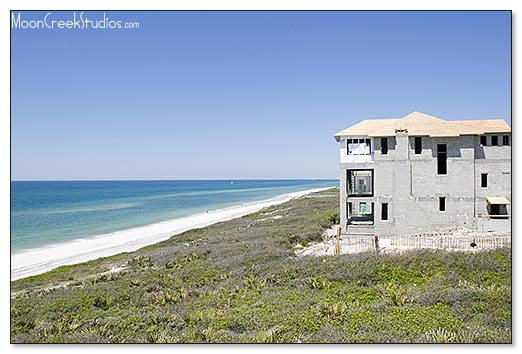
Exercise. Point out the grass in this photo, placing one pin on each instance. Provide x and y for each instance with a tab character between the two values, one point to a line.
240	282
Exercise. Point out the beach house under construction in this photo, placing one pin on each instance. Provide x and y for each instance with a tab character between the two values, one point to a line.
420	174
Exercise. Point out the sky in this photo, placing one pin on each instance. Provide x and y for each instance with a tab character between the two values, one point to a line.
221	95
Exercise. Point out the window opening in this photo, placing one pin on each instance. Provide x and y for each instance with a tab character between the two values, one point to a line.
418	145
442	159
484	180
384	211
442	203
384	146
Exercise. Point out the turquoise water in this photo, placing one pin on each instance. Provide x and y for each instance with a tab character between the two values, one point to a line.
53	212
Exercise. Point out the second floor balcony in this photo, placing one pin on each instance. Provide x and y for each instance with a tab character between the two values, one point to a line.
357	150
359	183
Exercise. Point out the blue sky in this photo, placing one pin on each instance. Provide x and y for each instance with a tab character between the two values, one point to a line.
209	95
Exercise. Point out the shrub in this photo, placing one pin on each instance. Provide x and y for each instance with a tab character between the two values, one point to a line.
333	311
271	335
104	302
392	294
254	282
318	283
332	218
399	275
441	335
141	261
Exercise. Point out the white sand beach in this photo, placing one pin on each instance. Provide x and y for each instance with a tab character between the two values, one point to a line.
44	259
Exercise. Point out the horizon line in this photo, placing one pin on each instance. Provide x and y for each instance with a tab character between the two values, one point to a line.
175	179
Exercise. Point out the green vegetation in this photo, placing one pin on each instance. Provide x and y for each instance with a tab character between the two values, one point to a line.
239	281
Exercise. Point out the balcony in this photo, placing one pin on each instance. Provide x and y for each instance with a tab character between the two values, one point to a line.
360	212
357	150
359	183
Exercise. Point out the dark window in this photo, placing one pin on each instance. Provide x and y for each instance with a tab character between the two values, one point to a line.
384	146
498	211
442	159
505	140
418	145
442	203
484	180
350	207
494	140
483	140
360	182
384	211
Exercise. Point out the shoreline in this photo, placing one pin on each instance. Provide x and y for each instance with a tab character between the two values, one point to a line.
41	260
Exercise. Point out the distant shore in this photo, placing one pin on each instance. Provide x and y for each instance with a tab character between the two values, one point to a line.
41	260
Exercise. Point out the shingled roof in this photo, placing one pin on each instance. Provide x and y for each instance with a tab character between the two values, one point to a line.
420	124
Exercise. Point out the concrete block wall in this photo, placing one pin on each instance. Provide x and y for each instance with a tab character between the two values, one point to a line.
411	186
496	162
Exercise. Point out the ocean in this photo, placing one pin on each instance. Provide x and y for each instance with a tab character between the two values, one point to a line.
47	213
